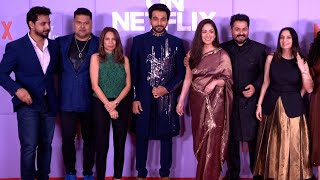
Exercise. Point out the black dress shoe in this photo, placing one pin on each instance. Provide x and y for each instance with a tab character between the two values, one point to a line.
258	177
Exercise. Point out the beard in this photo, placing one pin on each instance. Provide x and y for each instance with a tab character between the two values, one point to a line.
43	34
240	41
158	29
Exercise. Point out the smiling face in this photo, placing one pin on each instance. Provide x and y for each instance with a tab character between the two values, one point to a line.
285	40
109	42
159	21
208	34
240	32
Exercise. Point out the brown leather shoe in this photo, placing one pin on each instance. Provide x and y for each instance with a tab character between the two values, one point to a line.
165	178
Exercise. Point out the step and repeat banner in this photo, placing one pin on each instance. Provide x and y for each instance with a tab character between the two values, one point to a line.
130	18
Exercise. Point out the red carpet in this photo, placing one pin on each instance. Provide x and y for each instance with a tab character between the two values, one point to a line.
124	178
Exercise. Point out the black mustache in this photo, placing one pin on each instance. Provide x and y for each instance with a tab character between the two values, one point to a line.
241	35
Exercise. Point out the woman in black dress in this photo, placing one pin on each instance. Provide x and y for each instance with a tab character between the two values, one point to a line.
283	137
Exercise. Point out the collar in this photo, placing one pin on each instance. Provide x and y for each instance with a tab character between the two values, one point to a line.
74	37
109	55
245	43
157	34
35	43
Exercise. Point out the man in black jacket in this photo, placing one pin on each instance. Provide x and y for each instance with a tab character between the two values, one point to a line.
76	93
247	57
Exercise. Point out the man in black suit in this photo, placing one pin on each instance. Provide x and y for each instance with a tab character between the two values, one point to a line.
247	58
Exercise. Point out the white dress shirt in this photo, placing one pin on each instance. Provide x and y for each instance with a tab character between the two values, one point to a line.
43	54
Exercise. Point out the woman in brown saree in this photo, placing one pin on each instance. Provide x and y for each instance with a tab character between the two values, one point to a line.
210	78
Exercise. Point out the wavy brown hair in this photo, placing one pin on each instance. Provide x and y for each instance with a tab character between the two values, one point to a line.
118	50
295	44
197	43
314	51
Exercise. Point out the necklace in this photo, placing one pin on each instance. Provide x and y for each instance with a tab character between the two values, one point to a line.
80	51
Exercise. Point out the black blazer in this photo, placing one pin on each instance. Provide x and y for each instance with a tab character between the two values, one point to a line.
247	68
285	82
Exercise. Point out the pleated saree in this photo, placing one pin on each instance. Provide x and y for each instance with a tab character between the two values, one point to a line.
210	114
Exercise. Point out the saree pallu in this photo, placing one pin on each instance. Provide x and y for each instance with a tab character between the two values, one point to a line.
210	114
283	143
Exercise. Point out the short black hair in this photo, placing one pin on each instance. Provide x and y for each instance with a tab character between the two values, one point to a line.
159	7
239	17
35	11
82	11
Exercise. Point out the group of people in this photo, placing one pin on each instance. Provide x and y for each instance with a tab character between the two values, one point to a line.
237	94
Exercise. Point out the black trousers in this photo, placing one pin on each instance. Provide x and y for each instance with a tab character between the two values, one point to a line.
102	122
69	127
234	157
165	156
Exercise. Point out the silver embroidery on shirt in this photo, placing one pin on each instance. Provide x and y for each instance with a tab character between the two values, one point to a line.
134	92
160	68
162	71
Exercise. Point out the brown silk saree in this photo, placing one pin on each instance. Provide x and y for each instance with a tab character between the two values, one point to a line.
211	113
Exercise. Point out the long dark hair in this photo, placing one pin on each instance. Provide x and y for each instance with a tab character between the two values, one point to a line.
295	44
118	50
197	43
314	51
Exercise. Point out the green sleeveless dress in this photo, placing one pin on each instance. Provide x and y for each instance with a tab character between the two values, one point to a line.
112	77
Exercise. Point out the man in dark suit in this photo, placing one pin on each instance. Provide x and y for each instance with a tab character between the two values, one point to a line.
247	58
33	59
76	92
